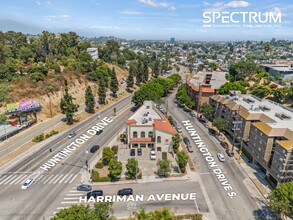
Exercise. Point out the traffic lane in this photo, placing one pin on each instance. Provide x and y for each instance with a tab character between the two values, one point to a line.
164	187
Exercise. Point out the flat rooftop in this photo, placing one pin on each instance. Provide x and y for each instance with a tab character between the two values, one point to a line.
215	79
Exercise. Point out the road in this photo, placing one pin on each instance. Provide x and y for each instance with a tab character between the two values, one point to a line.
43	197
241	206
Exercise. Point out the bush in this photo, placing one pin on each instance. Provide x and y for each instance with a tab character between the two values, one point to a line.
164	156
96	177
99	165
39	138
115	149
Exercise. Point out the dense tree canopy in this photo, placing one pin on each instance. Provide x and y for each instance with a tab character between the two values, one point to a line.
224	89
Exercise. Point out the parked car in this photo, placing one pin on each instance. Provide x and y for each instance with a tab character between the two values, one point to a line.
99	132
202	120
84	187
94	193
221	157
71	135
27	183
186	140
132	152
179	129
153	155
139	152
94	148
224	144
125	192
189	148
230	153
192	114
212	131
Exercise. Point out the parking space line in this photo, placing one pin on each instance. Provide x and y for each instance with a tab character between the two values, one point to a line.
74	194
68	178
48	179
71	198
63	178
73	178
20	180
74	191
61	175
69	202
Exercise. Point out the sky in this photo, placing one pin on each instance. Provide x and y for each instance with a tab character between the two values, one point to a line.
150	19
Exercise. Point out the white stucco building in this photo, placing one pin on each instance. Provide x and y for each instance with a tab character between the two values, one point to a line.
148	127
93	51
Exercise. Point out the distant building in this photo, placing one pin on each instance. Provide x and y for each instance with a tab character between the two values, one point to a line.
275	69
93	52
149	128
172	40
263	130
205	84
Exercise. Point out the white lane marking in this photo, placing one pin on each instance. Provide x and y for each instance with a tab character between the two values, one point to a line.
7	181
74	194
69	202
71	198
68	178
53	179
61	208
16	179
58	179
8	177
48	179
73	178
63	178
39	178
20	180
74	191
3	177
196	205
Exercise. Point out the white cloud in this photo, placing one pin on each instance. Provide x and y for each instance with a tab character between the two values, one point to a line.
126	12
38	3
105	27
206	3
155	4
237	4
57	17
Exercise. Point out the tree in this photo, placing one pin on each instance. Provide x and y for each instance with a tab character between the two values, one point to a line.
164	166
130	78
89	100
224	89
67	106
145	72
114	85
176	141
76	212
156	70
108	155
149	91
213	66
281	199
102	91
184	98
220	123
163	213
267	48
103	210
132	168
261	91
207	111
280	93
115	169
182	159
241	70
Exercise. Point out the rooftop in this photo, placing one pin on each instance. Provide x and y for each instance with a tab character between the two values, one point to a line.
215	79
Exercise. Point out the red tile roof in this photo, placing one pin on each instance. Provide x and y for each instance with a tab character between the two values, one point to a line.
164	125
135	140
130	121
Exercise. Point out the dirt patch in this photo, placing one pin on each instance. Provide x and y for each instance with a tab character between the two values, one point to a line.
103	172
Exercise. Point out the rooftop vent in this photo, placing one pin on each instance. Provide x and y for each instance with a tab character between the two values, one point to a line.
248	100
264	108
282	116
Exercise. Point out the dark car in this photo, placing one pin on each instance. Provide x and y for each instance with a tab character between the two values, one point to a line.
94	148
125	192
132	152
230	153
224	144
192	114
139	152
84	188
212	131
94	194
186	141
189	148
99	132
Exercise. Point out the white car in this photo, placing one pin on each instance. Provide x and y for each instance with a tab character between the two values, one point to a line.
27	183
221	157
153	155
71	135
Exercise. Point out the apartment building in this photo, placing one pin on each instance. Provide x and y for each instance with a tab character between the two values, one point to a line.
149	127
205	84
262	128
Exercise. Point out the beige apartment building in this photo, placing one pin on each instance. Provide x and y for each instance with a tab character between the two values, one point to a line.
262	128
149	127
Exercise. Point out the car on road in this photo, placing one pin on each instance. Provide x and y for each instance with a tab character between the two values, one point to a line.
71	135
221	157
224	144
132	152
94	193
27	183
186	140
153	155
99	132
192	114
94	148
139	152
212	131
189	148
125	192
84	187
230	153
179	129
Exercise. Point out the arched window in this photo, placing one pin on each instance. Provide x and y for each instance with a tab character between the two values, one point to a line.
150	134
134	134
142	134
159	139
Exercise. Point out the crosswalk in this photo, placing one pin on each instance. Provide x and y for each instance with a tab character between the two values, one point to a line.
18	179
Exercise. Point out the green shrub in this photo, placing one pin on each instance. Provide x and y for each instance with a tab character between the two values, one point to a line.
104	179
95	176
115	149
164	156
99	165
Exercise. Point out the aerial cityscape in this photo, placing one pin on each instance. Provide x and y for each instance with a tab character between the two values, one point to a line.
146	110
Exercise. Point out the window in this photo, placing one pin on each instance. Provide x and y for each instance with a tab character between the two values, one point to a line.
159	139
142	134
134	134
150	134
